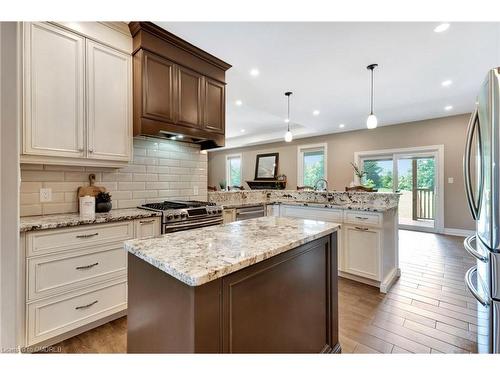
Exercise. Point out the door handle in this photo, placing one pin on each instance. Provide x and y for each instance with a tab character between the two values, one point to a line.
87	266
474	209
362	229
86	306
469	276
87	235
472	251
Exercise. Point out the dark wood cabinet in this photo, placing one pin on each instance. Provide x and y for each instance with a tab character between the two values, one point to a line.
215	105
285	304
158	87
189	97
178	88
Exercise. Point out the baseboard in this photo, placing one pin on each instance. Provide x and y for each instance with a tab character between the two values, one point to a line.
458	232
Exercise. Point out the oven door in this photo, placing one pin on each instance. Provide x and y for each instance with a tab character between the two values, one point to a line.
191	224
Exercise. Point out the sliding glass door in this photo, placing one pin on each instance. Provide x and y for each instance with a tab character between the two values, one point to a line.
414	176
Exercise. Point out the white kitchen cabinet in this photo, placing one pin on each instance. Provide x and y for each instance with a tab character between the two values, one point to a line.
147	228
77	98
109	106
273	210
313	213
228	215
54	90
361	252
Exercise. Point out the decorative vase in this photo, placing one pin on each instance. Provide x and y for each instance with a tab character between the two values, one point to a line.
103	207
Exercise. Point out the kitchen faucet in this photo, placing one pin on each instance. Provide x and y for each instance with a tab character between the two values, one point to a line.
321	180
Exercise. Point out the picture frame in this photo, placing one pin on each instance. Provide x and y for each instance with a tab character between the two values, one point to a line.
266	166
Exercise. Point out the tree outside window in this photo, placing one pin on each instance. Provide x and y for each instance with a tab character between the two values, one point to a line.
234	170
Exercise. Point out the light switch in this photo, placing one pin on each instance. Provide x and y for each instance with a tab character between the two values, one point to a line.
45	195
451	180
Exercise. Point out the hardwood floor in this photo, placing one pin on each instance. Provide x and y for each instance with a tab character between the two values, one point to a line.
428	310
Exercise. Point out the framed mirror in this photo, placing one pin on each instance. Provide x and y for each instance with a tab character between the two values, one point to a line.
266	166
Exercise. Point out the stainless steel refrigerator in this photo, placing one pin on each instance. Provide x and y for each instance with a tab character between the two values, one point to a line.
482	185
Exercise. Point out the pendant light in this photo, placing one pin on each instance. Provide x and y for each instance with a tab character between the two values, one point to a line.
371	121
288	134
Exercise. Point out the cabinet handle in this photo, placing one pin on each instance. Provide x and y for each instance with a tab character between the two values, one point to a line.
87	235
361	218
91	150
86	306
146	221
87	267
359	228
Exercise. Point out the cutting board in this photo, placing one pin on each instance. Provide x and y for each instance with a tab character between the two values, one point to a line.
91	190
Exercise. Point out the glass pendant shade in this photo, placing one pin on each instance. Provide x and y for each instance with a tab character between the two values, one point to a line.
288	136
371	121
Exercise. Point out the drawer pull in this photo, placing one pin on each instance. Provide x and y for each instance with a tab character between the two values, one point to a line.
87	235
359	228
361	218
86	306
87	266
146	221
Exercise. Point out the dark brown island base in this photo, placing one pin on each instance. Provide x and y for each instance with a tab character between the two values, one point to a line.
266	285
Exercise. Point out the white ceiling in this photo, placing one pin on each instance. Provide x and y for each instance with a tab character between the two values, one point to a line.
324	64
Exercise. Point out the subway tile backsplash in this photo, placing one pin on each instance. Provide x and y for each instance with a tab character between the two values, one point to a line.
160	170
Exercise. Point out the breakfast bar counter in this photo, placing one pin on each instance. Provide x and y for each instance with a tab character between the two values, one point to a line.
265	285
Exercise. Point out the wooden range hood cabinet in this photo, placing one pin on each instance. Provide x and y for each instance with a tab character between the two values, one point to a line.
178	88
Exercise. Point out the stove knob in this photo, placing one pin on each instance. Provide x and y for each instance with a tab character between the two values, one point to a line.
219	210
184	215
169	217
176	215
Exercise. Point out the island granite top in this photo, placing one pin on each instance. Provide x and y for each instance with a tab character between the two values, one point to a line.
41	222
198	256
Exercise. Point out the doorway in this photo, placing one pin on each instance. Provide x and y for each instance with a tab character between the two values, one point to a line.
415	174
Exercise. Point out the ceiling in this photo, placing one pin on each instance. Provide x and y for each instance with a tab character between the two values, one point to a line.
324	64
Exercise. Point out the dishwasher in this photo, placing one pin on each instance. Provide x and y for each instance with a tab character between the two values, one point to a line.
250	212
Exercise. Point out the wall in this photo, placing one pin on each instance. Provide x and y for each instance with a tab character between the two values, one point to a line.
450	131
11	299
160	170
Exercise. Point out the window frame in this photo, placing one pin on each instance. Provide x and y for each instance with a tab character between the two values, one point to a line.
300	160
228	169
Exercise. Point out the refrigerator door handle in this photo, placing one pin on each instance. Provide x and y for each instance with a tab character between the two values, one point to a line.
469	281
474	209
472	251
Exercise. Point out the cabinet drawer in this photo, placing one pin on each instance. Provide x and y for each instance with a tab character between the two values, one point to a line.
51	317
62	272
147	228
363	218
54	240
313	213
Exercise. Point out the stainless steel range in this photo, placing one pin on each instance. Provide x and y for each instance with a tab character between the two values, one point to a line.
183	215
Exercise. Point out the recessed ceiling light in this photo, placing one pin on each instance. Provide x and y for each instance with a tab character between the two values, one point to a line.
287	120
448	108
238	103
315	112
180	136
173	138
446	83
441	27
242	130
342	126
254	72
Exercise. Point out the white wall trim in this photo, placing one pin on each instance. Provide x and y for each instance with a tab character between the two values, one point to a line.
458	232
230	156
300	160
439	153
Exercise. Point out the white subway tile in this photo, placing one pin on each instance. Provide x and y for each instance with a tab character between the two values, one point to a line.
30	187
30	209
124	186
41	176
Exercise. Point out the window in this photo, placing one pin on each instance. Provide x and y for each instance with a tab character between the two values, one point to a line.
312	160
233	170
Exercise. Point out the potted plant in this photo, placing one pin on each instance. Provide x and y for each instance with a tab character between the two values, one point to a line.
103	202
358	171
223	185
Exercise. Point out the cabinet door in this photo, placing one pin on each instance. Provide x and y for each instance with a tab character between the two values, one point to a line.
362	249
158	88
215	106
229	215
53	91
109	103
189	89
147	228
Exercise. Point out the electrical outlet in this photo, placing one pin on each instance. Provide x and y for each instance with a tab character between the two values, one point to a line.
451	180
45	195
195	190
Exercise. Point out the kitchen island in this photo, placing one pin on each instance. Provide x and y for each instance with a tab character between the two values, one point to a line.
265	285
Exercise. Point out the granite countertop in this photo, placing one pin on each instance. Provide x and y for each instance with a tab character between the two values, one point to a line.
347	206
198	256
41	222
